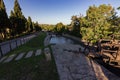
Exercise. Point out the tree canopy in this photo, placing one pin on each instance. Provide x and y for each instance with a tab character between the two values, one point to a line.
18	20
97	24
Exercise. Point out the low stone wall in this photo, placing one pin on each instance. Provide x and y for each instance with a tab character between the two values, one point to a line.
7	46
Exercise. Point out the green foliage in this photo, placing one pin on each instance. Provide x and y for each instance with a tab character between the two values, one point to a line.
17	19
75	26
17	9
47	27
16	24
4	21
115	24
59	28
95	25
37	26
29	24
2	5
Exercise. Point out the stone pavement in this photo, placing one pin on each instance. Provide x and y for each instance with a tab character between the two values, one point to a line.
38	52
19	56
3	58
16	57
74	65
29	54
10	58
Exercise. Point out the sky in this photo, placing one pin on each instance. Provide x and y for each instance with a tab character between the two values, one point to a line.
55	11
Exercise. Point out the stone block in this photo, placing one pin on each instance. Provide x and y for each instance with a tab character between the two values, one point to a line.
18	43
3	58
10	58
38	52
47	54
13	45
5	48
29	54
19	56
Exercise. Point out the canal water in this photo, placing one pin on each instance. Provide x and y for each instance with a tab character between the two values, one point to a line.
60	40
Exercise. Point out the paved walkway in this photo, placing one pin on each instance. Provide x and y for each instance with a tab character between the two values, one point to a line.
73	65
16	57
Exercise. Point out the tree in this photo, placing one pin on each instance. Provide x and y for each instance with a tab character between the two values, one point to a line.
13	24
4	21
37	27
59	28
17	18
96	23
30	25
115	25
75	24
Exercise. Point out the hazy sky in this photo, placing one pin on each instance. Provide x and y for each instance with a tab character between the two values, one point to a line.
54	11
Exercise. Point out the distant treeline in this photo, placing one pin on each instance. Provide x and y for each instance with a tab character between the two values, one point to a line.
16	24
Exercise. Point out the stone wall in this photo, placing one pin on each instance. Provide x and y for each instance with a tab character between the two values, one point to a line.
7	46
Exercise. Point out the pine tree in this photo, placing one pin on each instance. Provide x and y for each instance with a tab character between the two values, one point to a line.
17	9
37	27
96	25
30	25
13	24
4	21
18	19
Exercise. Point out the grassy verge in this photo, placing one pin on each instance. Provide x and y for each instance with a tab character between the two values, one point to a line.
34	68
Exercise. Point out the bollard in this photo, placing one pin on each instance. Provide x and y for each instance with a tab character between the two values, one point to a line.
47	54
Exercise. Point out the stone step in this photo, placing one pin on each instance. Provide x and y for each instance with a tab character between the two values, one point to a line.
38	52
29	54
2	59
19	56
10	58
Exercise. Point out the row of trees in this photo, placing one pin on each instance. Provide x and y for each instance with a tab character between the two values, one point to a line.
16	23
58	28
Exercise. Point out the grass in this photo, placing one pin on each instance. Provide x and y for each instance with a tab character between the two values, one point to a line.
34	68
